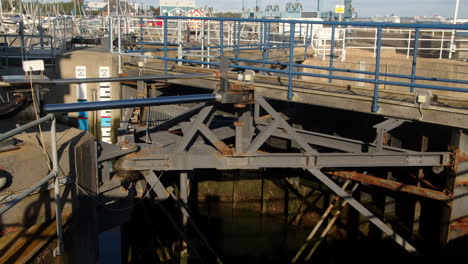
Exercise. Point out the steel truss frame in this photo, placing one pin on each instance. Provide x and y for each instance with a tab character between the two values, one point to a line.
203	146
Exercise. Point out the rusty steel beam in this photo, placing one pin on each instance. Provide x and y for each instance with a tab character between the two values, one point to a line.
392	185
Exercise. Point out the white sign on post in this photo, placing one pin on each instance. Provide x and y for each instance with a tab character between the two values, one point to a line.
80	73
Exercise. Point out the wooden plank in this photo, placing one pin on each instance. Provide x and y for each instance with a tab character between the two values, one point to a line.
21	247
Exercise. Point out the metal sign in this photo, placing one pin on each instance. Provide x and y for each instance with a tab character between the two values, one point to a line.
104	95
82	96
339	9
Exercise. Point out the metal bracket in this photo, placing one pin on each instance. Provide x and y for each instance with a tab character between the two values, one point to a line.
108	151
385	127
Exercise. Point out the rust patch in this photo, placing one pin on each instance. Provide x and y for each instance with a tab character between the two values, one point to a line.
461	182
461	224
392	185
223	148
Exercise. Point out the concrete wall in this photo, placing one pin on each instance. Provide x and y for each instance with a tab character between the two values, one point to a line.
28	164
394	64
92	59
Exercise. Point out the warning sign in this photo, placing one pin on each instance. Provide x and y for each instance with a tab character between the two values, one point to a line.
339	9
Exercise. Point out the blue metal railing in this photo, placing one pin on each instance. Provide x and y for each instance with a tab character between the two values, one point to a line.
296	38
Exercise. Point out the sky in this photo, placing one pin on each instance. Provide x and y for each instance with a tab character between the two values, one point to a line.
364	8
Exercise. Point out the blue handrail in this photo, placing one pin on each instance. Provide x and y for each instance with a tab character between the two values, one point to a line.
289	41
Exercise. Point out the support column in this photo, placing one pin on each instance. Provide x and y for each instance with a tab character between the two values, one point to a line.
183	196
458	227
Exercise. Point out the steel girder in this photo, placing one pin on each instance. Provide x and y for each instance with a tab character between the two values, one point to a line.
189	152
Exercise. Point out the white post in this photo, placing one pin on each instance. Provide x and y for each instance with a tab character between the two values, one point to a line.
452	41
409	45
442	45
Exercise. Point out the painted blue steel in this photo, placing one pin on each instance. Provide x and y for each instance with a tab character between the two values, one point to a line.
292	28
237	47
118	104
356	71
159	43
332	54
375	101
142	43
278	46
165	46
415	57
337	23
433	87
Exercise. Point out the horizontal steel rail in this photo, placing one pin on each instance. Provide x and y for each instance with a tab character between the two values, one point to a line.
118	104
25	127
111	79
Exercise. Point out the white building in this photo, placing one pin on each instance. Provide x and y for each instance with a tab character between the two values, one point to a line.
176	7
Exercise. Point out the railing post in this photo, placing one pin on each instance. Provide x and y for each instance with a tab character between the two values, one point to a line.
442	45
291	60
202	40
221	37
111	35
306	40
165	46
332	53
409	44
415	57
119	44
375	102
58	204
264	51
239	27
141	37
209	44
179	41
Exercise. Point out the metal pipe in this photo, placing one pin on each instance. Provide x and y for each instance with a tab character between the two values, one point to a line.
353	24
375	101
44	180
26	127
58	205
221	37
117	104
452	39
427	86
165	46
357	71
415	56
27	192
332	53
292	28
111	79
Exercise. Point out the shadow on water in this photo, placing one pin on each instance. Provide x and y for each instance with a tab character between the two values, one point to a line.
244	236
